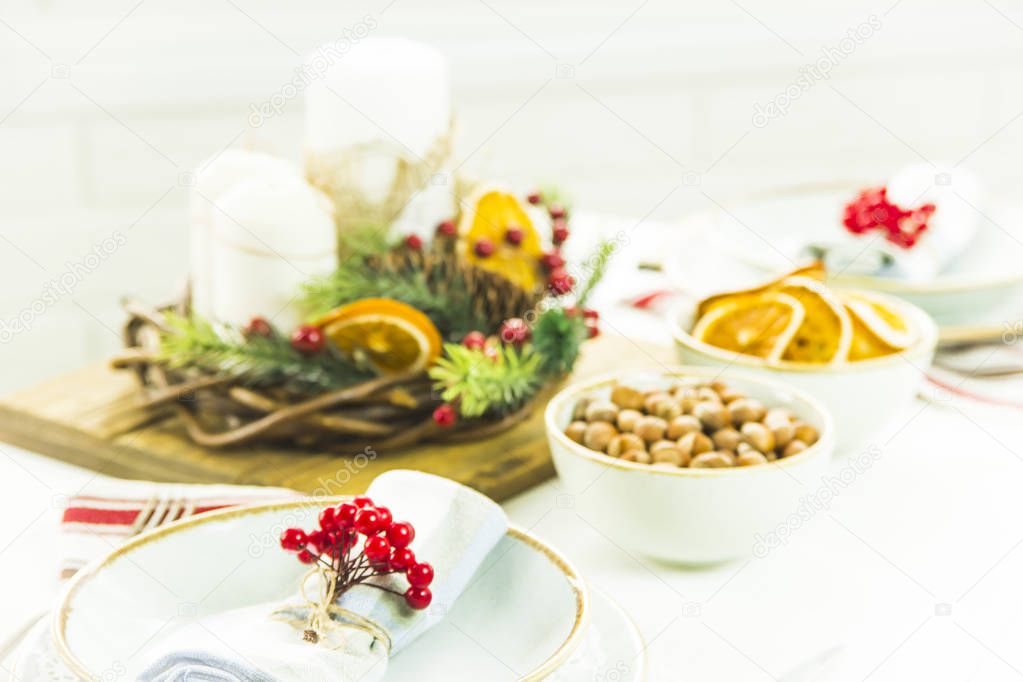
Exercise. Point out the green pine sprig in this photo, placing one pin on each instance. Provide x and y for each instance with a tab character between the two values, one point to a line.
557	338
481	385
597	264
256	361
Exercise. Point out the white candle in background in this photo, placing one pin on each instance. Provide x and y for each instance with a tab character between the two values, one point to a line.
384	100
269	238
217	176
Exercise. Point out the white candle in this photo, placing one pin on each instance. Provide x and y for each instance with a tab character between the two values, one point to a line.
383	103
269	237
214	178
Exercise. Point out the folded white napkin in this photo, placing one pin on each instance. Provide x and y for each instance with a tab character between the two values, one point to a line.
957	198
456	528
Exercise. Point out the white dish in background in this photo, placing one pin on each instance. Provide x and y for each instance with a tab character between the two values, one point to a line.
861	396
767	233
681	514
115	608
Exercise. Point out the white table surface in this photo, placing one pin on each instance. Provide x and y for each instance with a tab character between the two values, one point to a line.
912	569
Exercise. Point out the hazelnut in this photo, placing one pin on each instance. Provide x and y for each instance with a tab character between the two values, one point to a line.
624	442
806	433
627	398
627	419
683	424
687	398
750	459
758	435
667	409
711	460
794	448
598	435
638	456
601	411
713	416
744	447
651	400
746	410
708	394
579	411
726	438
783	434
777	415
719	386
667	451
575	431
695	443
729	396
651	429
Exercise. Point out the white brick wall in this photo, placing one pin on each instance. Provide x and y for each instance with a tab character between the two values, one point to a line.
104	104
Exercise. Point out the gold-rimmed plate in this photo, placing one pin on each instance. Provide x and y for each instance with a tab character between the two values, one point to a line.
118	607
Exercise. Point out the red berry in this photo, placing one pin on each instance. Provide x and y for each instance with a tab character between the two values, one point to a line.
317	539
402	558
377	549
559	232
483	247
514	331
551	261
294	539
367	521
560	282
328	518
401	534
345	515
362	501
307	557
474	340
534	197
258	326
591	314
419	574
447	228
557	211
592	330
414	242
308	339
514	234
444	416
385	518
418	597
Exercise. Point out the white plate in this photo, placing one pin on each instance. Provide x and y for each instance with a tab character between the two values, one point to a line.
767	233
116	608
612	649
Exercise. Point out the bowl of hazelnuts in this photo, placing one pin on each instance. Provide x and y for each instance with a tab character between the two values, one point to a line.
691	464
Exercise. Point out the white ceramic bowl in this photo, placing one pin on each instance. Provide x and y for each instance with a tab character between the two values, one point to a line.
116	608
681	514
862	396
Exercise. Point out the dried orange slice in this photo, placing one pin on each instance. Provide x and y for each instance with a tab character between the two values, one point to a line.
813	271
826	332
485	226
390	336
877	330
756	324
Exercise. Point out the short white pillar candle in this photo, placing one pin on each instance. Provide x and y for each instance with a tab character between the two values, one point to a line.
212	180
269	237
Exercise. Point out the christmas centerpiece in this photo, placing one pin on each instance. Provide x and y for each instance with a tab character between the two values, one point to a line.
371	298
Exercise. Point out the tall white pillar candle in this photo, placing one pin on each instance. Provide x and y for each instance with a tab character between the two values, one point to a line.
269	238
376	115
212	181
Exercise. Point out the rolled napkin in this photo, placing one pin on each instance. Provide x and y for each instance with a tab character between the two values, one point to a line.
455	529
939	209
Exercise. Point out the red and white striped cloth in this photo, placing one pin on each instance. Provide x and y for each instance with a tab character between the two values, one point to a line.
114	510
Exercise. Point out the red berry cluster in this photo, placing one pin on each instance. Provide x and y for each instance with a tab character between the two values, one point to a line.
559	282
385	549
871	210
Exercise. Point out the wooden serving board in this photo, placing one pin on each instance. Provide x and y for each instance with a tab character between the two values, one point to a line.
89	418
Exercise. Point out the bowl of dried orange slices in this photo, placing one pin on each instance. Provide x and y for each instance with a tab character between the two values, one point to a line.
862	354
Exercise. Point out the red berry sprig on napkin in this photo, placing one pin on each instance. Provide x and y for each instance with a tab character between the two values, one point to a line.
871	210
384	550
